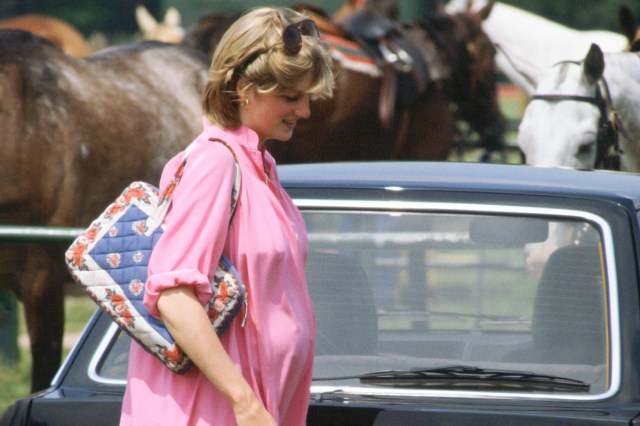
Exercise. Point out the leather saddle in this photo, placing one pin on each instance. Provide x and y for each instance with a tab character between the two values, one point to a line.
404	63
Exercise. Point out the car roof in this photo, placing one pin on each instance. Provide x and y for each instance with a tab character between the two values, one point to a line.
480	177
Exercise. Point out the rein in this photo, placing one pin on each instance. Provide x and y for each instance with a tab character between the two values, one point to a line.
609	126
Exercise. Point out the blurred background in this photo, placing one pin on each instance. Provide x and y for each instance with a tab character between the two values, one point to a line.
115	19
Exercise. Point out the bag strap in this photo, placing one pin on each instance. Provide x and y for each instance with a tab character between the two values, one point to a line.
165	199
235	192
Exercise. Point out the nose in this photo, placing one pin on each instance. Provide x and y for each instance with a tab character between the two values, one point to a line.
303	110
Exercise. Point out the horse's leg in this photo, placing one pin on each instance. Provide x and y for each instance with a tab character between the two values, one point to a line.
9	259
432	128
43	297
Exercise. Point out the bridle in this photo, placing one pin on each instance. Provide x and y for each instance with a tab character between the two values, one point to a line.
609	126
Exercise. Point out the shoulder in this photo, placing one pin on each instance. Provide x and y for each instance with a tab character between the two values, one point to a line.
208	165
208	154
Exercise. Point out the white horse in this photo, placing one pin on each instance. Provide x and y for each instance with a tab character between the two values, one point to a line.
557	132
533	41
582	111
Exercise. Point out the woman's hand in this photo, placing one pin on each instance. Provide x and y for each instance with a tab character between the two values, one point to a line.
189	325
252	413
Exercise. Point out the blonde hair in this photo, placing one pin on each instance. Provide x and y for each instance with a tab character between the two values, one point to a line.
252	49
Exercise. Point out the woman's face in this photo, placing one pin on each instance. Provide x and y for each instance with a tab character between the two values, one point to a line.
275	115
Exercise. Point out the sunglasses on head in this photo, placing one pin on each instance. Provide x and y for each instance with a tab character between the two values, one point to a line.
291	40
292	35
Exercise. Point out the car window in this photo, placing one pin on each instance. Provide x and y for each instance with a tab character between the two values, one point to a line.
407	290
428	290
115	357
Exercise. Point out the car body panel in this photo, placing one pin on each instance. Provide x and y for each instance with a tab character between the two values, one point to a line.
419	193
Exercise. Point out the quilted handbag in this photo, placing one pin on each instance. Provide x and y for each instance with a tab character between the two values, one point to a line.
109	261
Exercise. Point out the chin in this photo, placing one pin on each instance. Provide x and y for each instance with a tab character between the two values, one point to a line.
282	138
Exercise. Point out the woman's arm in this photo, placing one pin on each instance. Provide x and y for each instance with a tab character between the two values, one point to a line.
189	325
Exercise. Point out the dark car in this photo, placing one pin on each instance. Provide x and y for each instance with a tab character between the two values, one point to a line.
444	294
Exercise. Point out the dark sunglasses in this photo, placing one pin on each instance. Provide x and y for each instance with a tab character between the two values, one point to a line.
291	40
292	35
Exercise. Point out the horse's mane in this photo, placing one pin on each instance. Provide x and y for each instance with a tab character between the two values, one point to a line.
205	34
20	44
141	46
36	59
440	26
563	70
131	47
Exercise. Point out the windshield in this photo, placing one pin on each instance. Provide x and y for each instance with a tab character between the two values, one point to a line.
400	292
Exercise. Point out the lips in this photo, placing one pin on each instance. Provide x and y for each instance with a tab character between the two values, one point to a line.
290	123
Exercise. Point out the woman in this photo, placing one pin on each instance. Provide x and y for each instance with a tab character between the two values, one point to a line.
265	70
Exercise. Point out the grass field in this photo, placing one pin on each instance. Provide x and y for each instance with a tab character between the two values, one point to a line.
15	379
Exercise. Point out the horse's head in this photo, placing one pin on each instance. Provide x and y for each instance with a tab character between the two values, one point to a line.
470	55
562	124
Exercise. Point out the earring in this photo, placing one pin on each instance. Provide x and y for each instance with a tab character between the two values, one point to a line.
244	102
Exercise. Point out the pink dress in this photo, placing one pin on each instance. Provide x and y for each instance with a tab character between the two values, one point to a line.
267	243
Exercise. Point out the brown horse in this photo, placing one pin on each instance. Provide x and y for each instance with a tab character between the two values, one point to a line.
348	127
472	86
75	131
57	31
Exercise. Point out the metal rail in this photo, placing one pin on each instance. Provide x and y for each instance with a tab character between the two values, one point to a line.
37	234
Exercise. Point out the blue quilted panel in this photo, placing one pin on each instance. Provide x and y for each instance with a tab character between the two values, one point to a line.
124	254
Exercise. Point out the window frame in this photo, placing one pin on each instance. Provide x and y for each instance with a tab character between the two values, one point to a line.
401	206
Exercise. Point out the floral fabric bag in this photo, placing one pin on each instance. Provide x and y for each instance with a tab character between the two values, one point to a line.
110	259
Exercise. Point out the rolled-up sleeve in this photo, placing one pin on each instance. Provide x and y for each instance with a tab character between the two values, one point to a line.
196	225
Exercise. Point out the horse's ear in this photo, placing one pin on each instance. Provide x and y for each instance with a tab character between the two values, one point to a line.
594	64
627	23
172	18
146	22
486	10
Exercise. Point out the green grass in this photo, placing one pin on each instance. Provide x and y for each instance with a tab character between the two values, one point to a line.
78	310
15	378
